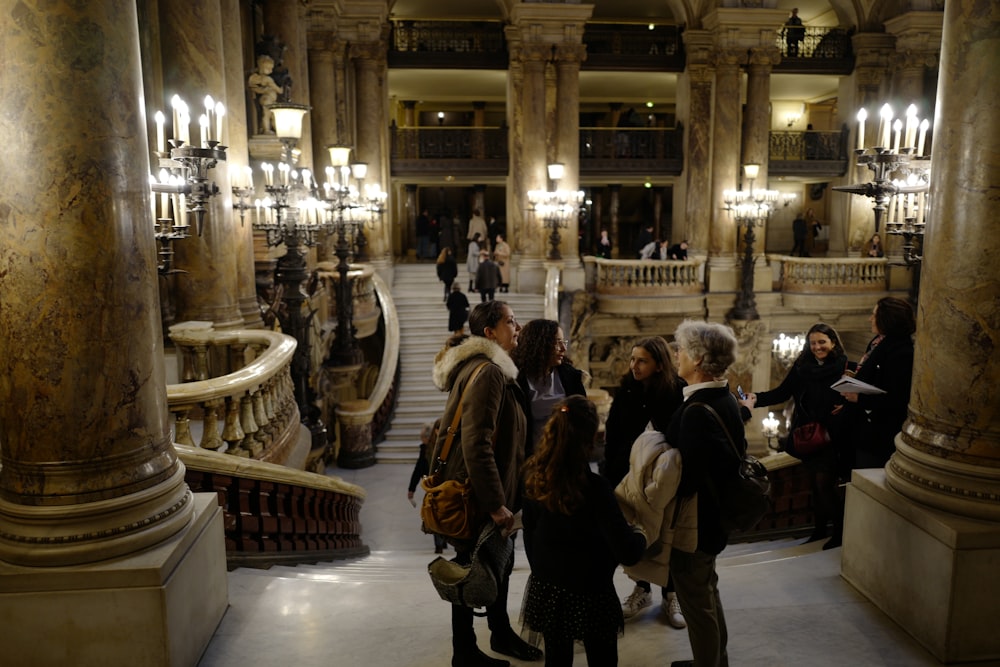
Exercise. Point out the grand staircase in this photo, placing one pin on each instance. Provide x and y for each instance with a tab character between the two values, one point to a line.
423	329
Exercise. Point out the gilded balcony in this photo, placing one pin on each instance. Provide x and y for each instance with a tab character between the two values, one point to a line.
809	153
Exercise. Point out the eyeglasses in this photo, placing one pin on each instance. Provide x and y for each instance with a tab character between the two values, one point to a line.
562	343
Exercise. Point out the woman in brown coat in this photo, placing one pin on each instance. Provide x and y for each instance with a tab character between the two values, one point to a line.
489	451
501	253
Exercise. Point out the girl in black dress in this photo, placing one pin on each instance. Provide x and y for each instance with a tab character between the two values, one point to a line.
574	537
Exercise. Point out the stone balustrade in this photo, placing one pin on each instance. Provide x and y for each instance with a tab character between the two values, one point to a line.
644	277
833	274
239	380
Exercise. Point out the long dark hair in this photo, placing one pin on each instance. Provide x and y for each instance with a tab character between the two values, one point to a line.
829	332
534	348
556	474
666	380
894	317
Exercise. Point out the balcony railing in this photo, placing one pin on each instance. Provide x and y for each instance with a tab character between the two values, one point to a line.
646	149
808	153
644	277
817	275
238	385
633	47
448	44
824	49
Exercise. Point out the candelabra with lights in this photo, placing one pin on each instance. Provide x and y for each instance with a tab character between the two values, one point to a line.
786	349
749	208
352	207
900	177
555	208
181	183
769	428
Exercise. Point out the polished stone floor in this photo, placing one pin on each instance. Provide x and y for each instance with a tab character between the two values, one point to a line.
786	606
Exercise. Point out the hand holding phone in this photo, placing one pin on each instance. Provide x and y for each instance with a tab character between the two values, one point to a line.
739	390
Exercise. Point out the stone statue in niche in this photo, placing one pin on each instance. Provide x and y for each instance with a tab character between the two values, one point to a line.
265	90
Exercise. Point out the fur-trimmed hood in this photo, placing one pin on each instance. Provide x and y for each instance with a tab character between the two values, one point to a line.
450	359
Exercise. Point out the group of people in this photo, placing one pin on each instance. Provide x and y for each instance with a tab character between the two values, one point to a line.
435	233
488	273
648	247
526	443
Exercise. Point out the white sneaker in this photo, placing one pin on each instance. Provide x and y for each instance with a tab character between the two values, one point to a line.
636	601
671	606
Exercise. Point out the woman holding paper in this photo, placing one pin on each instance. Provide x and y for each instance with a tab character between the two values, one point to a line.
888	365
820	364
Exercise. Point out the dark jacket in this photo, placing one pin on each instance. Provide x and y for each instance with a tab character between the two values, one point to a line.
488	275
580	552
572	382
631	409
420	469
458	310
707	458
878	418
447	270
488	449
808	383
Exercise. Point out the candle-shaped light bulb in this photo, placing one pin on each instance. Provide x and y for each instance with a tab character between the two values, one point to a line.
220	112
897	129
911	126
176	104
249	176
160	119
884	125
862	117
204	125
924	125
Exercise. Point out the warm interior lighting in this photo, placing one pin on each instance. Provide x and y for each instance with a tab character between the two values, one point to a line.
751	171
556	171
288	120
339	155
359	170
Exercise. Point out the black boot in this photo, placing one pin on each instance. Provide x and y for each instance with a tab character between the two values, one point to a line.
475	658
509	643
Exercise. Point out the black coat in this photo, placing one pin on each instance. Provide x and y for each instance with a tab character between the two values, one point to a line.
580	552
808	383
631	409
876	419
707	457
458	310
448	269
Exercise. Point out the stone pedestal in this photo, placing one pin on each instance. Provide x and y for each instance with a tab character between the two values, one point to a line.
156	608
932	572
530	276
356	448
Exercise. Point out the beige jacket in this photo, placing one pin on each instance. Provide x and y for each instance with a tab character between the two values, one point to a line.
647	496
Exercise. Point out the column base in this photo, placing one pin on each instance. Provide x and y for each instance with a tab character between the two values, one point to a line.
932	572
159	607
530	276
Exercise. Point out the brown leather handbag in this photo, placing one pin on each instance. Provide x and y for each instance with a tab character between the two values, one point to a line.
448	507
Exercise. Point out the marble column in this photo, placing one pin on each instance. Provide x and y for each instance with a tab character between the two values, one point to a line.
370	85
725	166
322	94
568	58
698	206
89	476
533	152
207	284
931	519
757	119
235	137
619	251
918	44
285	21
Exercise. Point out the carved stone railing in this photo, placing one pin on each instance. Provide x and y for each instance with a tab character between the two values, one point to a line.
834	274
644	277
273	514
241	380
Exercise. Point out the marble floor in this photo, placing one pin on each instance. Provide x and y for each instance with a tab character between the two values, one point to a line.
785	603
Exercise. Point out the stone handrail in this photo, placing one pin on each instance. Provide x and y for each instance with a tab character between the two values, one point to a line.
644	277
274	514
241	377
834	274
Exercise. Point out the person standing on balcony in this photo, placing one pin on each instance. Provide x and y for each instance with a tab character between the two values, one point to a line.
679	251
477	225
472	261
502	255
604	245
423	236
641	243
873	248
795	33
799	232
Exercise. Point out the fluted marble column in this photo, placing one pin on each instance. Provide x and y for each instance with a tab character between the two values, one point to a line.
370	68
931	519
615	232
757	119
285	20
694	225
918	44
725	153
533	148
193	66
568	58
235	136
323	98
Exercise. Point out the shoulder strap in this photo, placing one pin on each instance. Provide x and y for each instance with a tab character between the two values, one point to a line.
453	429
715	414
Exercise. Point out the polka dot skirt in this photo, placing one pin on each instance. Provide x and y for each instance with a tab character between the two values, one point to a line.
553	610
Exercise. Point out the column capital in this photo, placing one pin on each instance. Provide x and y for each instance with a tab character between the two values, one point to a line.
371	52
567	54
764	57
729	58
321	41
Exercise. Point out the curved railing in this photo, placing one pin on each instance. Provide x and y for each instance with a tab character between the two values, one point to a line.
241	378
645	277
834	274
273	514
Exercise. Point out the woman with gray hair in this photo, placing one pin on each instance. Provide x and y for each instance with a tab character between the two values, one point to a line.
702	430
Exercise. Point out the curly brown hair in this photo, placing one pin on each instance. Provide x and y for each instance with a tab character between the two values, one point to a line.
556	474
534	348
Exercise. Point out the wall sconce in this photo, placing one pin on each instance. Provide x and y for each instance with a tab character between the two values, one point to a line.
787	198
792	118
440	118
